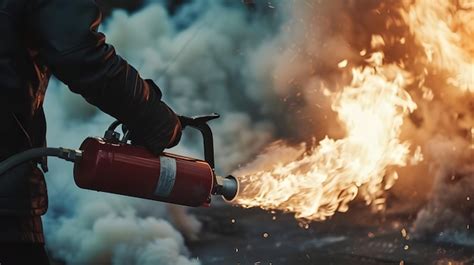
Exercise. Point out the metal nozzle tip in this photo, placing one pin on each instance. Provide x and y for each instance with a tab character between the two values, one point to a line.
228	188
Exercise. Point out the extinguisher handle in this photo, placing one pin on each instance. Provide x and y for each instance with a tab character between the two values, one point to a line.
200	123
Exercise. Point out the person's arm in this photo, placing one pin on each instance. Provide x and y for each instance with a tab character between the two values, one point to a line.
78	55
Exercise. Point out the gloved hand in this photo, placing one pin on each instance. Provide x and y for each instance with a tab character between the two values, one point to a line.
158	136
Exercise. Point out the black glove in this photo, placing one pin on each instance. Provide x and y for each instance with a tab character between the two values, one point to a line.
158	136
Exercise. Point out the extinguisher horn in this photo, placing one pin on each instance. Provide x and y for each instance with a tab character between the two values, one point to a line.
228	187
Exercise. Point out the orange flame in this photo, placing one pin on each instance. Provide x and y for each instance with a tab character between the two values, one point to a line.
445	29
329	176
314	183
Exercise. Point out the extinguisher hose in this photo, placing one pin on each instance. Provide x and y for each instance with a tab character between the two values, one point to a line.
31	154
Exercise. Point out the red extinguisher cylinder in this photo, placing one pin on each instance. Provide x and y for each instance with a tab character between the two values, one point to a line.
120	168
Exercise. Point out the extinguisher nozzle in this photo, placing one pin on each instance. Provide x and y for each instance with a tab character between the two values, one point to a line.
228	187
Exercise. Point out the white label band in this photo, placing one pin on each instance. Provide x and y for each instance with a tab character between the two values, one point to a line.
167	176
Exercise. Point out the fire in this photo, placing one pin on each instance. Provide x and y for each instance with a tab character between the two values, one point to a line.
315	182
445	29
327	177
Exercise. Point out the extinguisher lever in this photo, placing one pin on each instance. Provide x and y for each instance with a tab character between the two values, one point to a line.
200	123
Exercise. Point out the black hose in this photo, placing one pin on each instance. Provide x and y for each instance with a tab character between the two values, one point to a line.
28	155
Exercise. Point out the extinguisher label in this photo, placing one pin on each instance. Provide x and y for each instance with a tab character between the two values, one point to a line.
167	176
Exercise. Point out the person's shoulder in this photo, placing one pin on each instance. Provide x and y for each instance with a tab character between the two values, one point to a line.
66	25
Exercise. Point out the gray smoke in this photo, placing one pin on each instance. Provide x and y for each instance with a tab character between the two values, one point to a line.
86	227
449	214
318	35
263	70
203	60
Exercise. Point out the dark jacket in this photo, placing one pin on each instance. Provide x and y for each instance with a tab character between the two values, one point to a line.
43	37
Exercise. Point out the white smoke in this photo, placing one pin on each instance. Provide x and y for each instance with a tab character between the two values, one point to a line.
86	227
263	70
203	63
208	67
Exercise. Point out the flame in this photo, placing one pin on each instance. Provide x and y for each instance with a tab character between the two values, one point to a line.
327	177
315	182
445	29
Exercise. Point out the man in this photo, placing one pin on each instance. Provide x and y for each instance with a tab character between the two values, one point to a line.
59	37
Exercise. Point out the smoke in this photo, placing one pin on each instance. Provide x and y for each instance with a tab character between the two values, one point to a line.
118	231
319	35
207	65
85	227
202	58
266	71
449	214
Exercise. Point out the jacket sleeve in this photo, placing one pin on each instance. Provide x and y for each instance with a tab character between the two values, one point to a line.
77	54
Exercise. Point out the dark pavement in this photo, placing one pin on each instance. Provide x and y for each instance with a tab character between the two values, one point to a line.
232	235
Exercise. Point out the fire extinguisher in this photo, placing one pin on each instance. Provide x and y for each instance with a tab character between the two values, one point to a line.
111	164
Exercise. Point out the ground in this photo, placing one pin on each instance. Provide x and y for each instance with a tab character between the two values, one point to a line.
234	235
